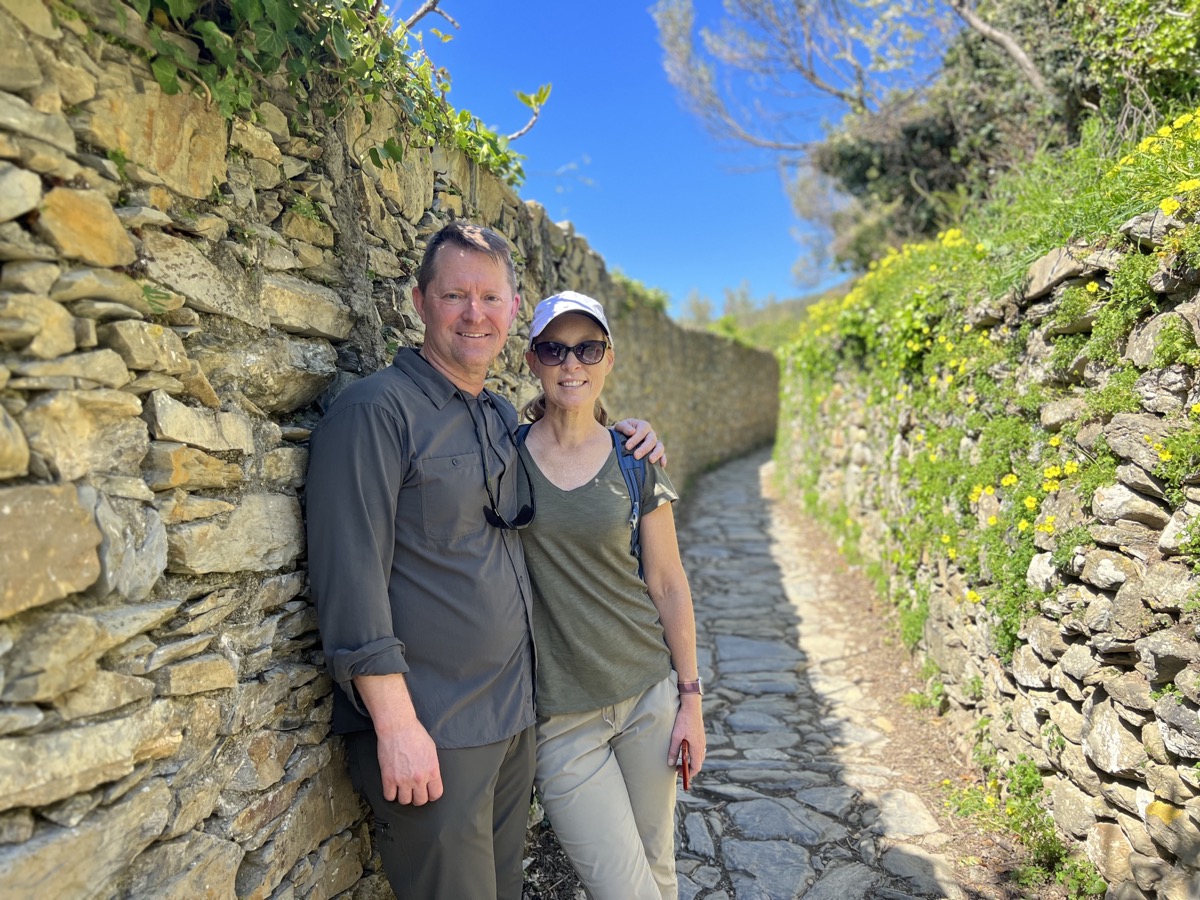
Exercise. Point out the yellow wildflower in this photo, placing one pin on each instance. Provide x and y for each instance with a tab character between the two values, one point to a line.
966	328
1070	467
952	553
970	399
1165	131
1182	120
989	490
973	597
1050	485
1031	502
945	538
1190	185
1008	480
1164	455
1092	287
1022	525
1055	441
991	520
1052	472
1169	205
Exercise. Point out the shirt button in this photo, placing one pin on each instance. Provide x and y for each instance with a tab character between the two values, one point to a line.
454	462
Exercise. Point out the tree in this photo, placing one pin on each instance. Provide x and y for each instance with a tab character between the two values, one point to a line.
859	53
698	309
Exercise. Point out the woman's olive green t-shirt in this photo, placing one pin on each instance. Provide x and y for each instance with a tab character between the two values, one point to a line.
596	630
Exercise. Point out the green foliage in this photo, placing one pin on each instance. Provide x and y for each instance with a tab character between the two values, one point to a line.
1116	396
1013	799
1130	298
349	44
1141	53
1068	542
973	461
913	613
1179	460
638	294
155	298
304	206
1176	344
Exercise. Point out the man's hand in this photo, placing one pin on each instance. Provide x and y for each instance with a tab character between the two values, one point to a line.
408	758
643	441
409	764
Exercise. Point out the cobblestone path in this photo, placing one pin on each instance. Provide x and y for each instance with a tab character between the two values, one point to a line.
796	798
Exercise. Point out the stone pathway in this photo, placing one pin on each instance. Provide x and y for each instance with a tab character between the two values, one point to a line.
796	798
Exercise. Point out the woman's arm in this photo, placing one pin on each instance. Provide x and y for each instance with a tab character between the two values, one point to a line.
668	586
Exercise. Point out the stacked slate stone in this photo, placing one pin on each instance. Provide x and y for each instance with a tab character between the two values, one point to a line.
1103	691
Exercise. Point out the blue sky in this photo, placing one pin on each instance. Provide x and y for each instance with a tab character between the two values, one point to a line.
615	152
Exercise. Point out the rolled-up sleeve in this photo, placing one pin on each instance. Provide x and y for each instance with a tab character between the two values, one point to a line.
356	467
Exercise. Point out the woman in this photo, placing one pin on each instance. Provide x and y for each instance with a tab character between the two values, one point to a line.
617	682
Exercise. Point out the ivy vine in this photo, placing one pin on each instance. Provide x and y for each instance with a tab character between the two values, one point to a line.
227	47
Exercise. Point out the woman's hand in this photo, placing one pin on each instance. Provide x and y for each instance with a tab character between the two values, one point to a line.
689	726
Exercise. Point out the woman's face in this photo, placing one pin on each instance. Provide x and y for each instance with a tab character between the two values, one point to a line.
572	385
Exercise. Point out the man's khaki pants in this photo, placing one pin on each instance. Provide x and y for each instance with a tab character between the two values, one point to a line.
608	789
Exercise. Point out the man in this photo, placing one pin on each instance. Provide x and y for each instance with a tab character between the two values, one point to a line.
413	508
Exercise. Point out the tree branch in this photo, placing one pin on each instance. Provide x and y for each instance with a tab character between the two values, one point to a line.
425	9
1005	42
525	130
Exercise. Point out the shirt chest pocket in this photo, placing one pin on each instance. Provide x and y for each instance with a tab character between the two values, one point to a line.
452	496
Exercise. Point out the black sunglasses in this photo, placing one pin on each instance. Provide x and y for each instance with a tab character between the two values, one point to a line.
491	512
552	353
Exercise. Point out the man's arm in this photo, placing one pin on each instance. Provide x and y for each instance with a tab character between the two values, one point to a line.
642	441
356	466
408	758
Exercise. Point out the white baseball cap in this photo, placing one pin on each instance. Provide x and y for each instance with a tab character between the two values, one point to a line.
566	302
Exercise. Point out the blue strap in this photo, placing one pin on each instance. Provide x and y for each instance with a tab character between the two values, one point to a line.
634	472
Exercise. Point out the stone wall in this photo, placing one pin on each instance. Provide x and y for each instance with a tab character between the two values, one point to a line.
179	297
1103	689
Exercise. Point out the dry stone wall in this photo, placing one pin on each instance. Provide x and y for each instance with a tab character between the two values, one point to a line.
1103	690
179	297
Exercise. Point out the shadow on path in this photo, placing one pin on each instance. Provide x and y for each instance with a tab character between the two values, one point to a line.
797	798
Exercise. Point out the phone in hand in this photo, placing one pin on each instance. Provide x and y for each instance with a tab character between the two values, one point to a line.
685	763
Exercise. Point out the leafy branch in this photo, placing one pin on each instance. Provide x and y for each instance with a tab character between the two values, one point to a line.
226	48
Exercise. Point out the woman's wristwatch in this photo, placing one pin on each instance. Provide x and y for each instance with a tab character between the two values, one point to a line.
692	687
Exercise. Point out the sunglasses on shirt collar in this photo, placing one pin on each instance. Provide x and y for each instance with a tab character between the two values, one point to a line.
491	512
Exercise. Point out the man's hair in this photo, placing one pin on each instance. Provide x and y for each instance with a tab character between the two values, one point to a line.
477	238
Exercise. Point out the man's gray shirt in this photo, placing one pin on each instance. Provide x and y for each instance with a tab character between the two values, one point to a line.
407	574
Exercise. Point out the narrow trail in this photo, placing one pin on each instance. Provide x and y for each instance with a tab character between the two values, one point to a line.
799	796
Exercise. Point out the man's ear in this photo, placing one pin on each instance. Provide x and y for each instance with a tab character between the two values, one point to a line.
418	297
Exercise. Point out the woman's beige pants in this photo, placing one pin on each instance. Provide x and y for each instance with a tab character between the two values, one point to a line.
605	782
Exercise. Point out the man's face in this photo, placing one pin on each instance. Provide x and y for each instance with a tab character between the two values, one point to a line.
467	309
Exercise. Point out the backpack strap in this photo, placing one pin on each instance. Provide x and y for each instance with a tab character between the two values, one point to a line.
633	470
521	433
